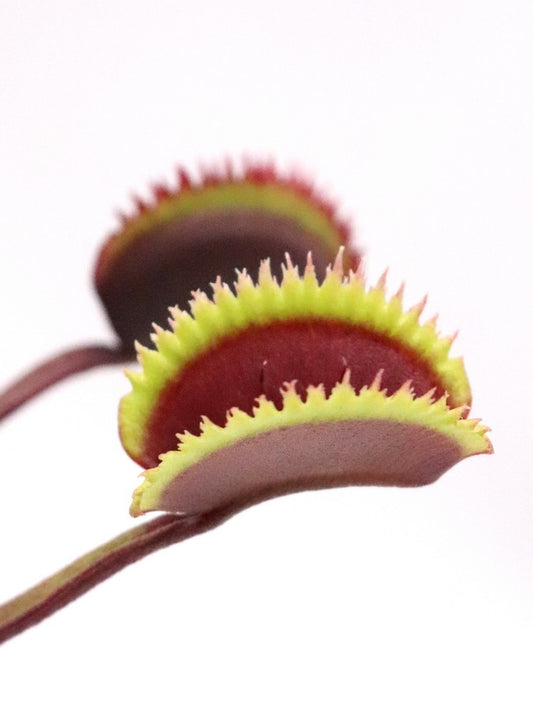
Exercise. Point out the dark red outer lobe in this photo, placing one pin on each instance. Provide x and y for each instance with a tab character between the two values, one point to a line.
312	456
161	268
260	359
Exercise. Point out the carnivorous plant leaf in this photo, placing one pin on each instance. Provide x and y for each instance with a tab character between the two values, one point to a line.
186	236
180	240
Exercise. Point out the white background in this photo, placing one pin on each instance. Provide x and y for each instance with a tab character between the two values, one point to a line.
417	116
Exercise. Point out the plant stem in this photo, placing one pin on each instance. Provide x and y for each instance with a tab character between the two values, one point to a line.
74	580
55	369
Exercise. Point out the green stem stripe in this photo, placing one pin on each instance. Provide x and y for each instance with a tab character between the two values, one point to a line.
71	582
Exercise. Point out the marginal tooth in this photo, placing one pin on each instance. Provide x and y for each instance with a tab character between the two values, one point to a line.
157	332
217	286
457	362
479	427
458	413
382	281
289	386
136	378
417	309
474	422
184	325
265	273
179	317
442	347
432	322
289	270
234	415
376	383
139	348
222	292
406	389
184	181
310	272
160	192
202	310
400	293
333	276
289	395
290	276
429	397
342	393
442	404
463	410
338	267
315	394
199	302
168	345
240	277
345	380
185	440
151	360
244	281
259	404
140	205
207	425
197	295
288	261
175	312
359	274
264	406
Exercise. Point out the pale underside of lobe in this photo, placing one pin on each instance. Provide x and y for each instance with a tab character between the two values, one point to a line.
310	456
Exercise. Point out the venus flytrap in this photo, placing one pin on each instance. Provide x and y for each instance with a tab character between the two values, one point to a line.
180	240
271	388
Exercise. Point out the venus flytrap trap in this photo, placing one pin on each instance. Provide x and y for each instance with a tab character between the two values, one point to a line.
181	239
187	236
269	388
